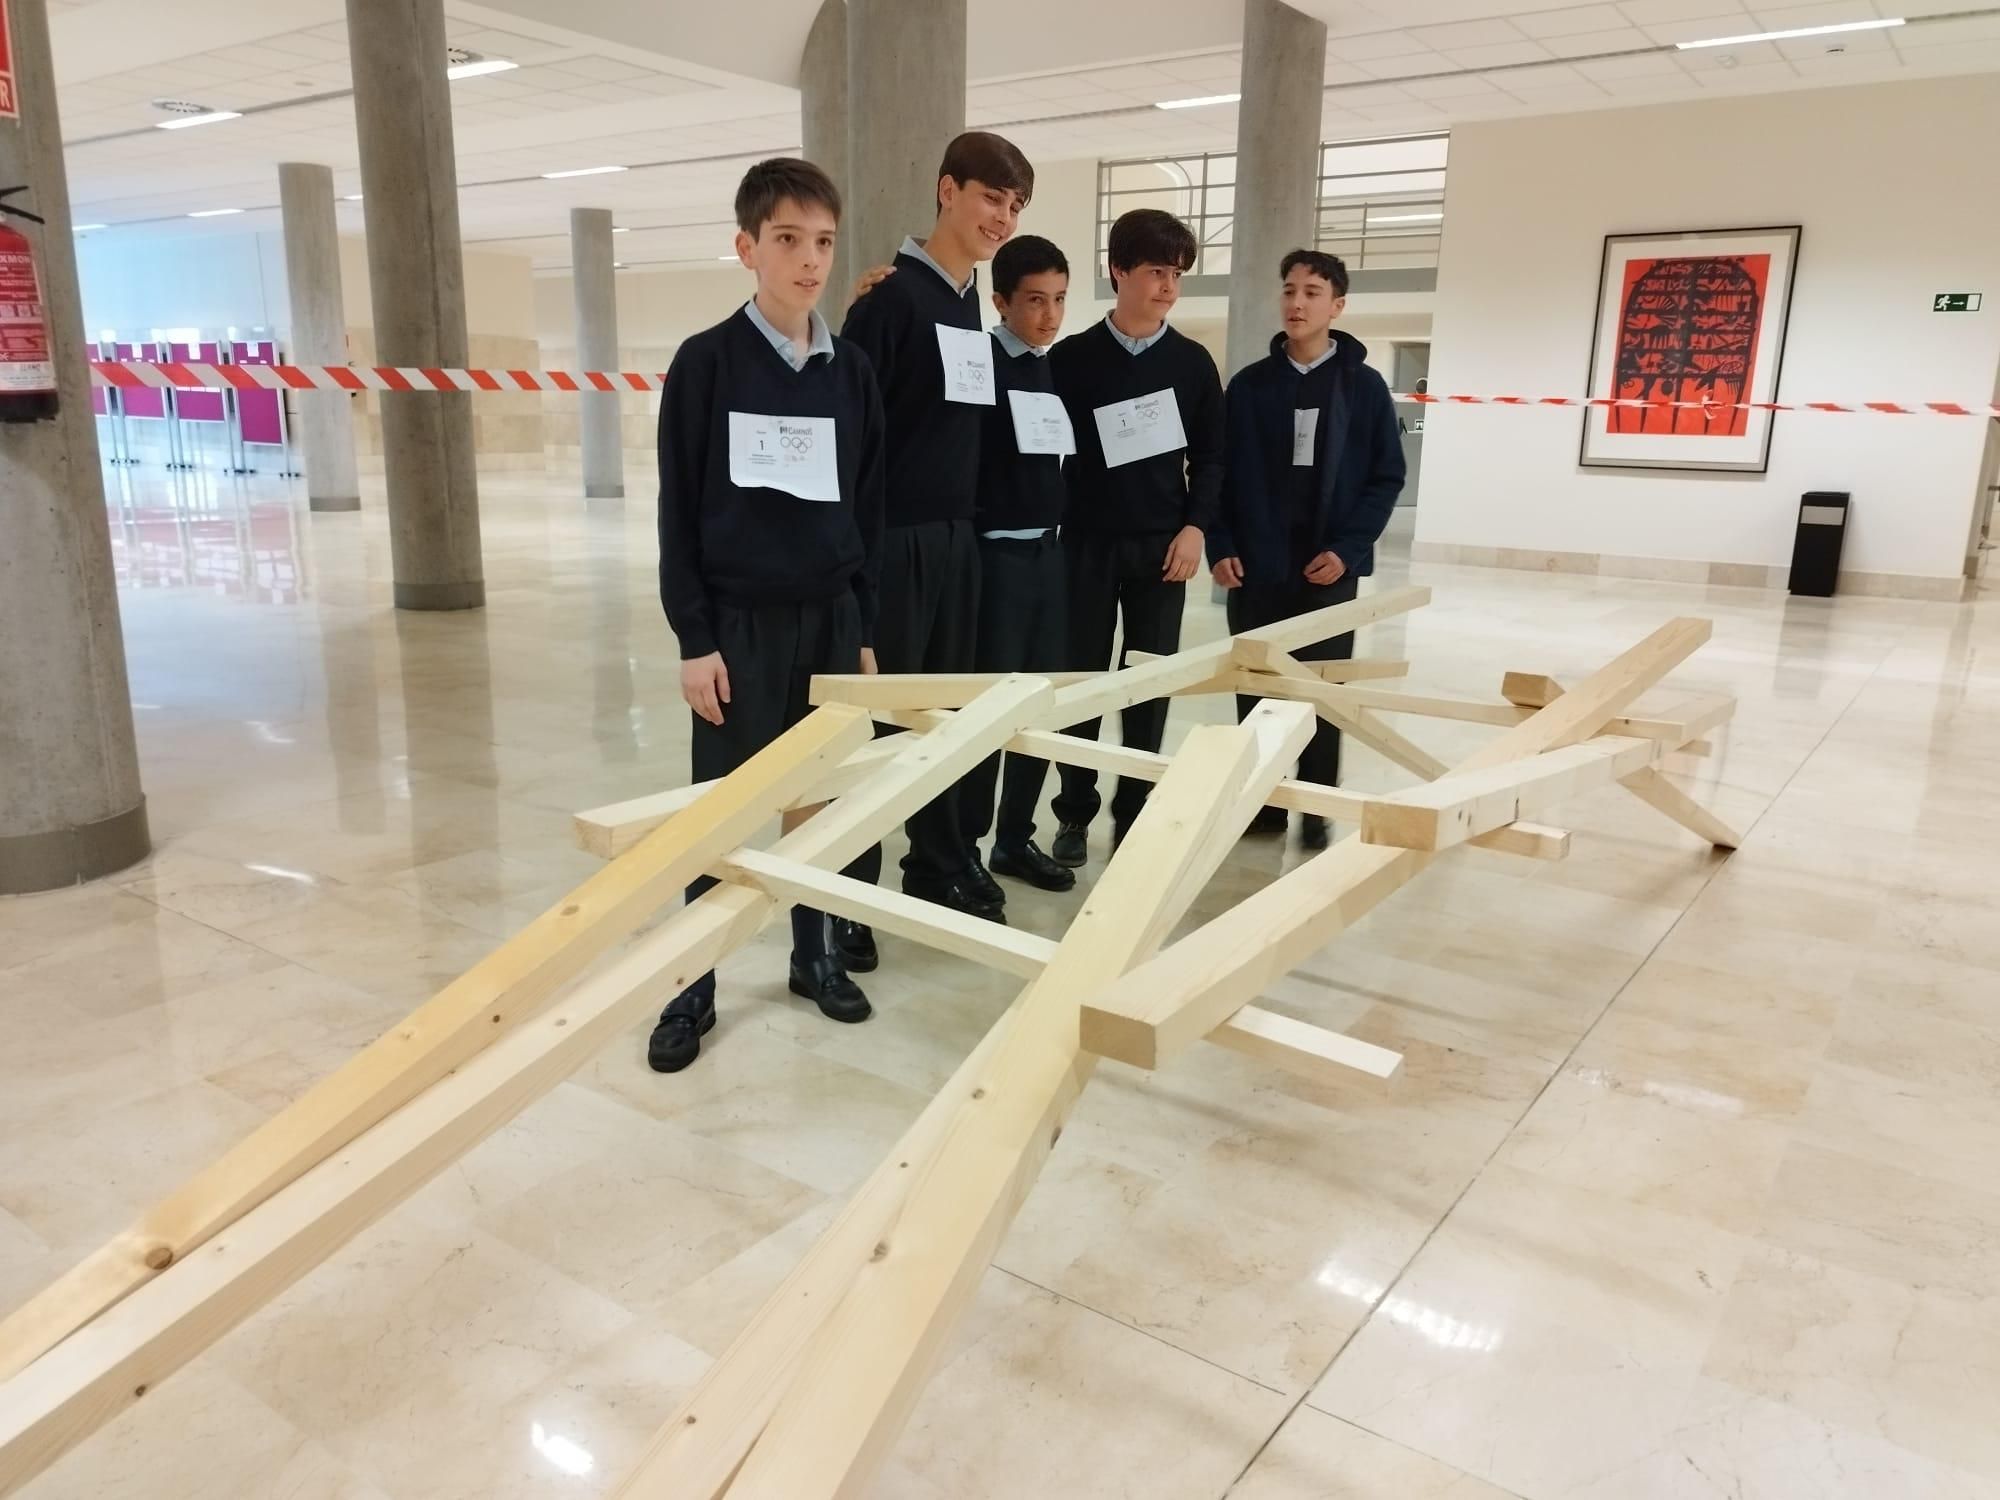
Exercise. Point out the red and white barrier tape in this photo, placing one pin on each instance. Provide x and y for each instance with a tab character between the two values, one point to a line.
140	374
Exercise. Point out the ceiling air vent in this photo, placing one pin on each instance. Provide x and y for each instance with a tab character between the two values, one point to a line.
181	107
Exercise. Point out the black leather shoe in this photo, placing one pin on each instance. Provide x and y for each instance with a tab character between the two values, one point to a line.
956	893
676	1040
1072	845
1269	820
854	946
977	877
1029	863
1312	831
825	983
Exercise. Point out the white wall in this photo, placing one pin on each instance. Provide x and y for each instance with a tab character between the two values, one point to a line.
1889	218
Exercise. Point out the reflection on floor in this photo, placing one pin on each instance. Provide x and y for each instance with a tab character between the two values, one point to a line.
1687	1189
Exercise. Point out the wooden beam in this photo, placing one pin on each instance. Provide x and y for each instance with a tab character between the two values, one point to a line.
609	831
1256	648
1676	732
1530	689
1327	701
862	1371
1300	1047
1652	788
919	689
1454	808
1348	669
1172	1000
468	1014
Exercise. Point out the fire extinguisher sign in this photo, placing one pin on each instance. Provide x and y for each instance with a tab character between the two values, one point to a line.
10	108
24	331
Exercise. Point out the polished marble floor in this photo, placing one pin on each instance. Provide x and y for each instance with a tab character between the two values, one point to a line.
1687	1188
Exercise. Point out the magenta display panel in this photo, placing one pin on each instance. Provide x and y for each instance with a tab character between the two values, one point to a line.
198	406
258	416
148	404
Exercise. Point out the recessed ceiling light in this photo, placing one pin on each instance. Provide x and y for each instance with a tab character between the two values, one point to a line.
618	265
479	67
582	172
1785	36
80	228
213	213
209	117
1198	103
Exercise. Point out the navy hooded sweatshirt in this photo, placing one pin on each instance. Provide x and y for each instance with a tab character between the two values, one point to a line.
1276	516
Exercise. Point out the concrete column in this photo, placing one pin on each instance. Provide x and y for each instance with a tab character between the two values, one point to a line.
402	118
905	101
318	332
1277	166
70	804
823	91
596	288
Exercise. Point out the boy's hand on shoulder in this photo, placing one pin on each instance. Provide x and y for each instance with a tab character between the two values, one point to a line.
705	685
868	667
1228	574
1183	556
868	280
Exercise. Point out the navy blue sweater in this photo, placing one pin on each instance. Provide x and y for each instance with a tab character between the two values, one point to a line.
721	542
1357	465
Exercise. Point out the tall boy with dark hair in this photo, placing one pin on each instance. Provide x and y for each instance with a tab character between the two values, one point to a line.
1146	404
1022	582
1315	466
934	364
771	461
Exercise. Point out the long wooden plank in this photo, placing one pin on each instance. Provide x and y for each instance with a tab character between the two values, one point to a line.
1677	732
1446	812
1170	1001
1346	669
862	1372
93	1374
1326	700
610	830
466	1015
918	689
1291	1044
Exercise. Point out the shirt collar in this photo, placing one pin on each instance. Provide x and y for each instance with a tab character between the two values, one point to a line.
1331	350
1132	345
1016	347
820	343
917	252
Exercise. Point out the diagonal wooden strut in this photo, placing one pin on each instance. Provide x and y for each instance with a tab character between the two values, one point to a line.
466	1015
863	1365
1166	1004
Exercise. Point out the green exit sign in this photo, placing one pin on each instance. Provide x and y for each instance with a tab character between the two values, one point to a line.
1955	302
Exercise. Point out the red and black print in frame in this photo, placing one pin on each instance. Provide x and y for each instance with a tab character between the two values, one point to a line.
1688	330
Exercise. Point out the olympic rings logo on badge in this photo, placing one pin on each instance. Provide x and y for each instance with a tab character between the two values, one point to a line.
796	442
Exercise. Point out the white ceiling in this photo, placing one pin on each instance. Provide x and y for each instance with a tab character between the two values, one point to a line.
645	84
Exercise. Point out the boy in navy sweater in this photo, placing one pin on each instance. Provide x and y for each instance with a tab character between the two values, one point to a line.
1022	585
934	363
1146	404
771	462
1315	466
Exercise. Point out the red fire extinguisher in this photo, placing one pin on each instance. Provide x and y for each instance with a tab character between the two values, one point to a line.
27	365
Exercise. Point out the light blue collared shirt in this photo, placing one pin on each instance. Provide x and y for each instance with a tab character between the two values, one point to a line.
1308	369
1016	346
917	252
820	343
1132	345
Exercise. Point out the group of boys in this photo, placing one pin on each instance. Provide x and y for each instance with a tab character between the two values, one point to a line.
918	495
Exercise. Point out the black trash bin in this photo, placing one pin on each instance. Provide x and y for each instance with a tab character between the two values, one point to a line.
1816	548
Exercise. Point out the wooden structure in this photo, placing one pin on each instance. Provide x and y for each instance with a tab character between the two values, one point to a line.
811	1397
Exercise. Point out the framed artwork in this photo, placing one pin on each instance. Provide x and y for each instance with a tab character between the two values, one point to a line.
1695	316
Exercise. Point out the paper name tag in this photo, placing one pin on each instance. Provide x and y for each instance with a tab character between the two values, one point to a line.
794	454
968	364
1140	428
1305	428
1041	423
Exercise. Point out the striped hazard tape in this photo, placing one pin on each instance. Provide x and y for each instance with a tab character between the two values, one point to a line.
142	374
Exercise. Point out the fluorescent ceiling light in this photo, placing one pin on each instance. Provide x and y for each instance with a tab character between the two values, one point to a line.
621	228
479	68
729	257
1198	103
79	228
213	213
1403	218
350	198
583	172
213	117
1785	36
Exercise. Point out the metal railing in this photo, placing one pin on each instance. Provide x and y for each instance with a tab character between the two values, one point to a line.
1374	219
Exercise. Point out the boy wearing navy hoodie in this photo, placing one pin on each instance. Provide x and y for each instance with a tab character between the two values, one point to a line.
1315	463
771	463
